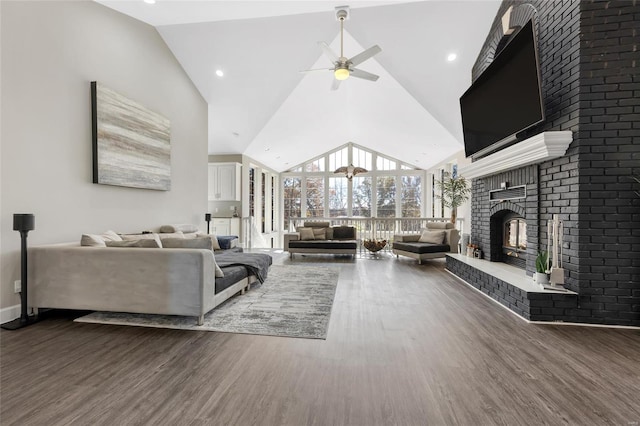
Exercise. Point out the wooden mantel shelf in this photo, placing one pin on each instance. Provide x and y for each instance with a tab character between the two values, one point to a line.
541	147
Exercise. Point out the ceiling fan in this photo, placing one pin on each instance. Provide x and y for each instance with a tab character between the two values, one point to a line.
343	67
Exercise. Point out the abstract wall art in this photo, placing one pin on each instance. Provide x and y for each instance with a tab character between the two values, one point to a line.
131	144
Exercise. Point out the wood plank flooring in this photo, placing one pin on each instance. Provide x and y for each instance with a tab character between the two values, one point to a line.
408	344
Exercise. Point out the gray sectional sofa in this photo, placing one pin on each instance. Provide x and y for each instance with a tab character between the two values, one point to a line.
168	281
321	238
411	246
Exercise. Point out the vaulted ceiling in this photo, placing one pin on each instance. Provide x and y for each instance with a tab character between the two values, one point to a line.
265	108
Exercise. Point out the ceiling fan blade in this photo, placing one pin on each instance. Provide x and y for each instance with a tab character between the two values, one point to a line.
328	52
363	56
318	69
336	84
363	74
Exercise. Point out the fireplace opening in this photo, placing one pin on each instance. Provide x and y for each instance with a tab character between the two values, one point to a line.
514	240
509	238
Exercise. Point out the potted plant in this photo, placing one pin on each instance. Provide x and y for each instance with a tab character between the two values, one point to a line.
454	192
542	261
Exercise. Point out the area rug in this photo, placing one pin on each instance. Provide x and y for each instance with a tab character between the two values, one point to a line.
294	301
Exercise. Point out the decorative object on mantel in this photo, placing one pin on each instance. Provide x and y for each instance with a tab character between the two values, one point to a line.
541	147
555	230
235	211
22	222
350	171
542	266
455	191
131	144
471	248
374	245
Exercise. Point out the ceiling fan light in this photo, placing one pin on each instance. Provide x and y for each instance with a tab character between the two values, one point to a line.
341	73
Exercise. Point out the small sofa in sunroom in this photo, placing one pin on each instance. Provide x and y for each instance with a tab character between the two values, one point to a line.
316	237
436	240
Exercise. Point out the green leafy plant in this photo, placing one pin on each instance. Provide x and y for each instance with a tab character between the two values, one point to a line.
455	191
541	261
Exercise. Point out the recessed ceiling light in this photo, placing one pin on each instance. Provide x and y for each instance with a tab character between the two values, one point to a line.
236	134
219	73
150	1
267	149
451	57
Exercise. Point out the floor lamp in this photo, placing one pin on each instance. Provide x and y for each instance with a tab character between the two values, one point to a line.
23	223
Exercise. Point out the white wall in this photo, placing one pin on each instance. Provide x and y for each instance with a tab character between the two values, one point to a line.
50	53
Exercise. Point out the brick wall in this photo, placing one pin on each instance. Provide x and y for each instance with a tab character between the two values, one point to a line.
589	59
609	210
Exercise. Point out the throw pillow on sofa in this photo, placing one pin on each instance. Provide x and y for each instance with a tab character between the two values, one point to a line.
149	236
214	240
204	242
319	233
94	240
171	235
133	243
181	227
433	237
306	234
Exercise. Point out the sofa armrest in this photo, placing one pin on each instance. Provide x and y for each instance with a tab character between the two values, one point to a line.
406	238
290	236
452	237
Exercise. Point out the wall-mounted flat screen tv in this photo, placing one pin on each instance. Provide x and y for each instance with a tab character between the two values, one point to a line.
505	99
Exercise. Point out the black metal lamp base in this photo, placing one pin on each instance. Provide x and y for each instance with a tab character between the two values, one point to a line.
19	323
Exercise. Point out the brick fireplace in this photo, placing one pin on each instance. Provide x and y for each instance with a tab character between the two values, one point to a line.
589	66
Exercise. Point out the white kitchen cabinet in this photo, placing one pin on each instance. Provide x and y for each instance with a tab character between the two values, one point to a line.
225	226
225	181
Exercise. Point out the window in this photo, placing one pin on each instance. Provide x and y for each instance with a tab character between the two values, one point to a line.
411	196
338	196
273	203
362	158
361	203
292	195
339	159
315	197
252	191
386	191
263	201
315	166
385	164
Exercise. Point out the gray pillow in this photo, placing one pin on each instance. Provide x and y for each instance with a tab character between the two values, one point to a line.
204	242
133	243
181	227
194	243
433	237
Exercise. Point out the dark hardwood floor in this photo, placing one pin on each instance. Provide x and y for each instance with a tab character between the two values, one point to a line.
408	344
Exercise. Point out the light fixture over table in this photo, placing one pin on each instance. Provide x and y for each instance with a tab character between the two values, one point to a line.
350	171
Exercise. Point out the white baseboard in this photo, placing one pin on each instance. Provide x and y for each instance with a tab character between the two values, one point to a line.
9	314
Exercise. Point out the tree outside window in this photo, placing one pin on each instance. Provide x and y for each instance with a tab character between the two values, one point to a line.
292	195
338	197
411	196
315	197
361	196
